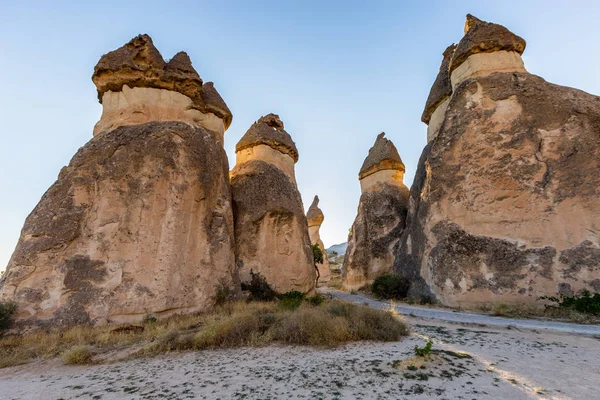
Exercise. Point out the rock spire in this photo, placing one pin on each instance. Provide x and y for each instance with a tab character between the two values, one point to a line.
270	226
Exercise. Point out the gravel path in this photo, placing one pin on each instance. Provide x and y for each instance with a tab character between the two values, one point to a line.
469	318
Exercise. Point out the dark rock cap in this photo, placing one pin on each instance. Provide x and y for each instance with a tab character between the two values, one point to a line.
442	87
383	155
269	130
139	64
485	37
314	212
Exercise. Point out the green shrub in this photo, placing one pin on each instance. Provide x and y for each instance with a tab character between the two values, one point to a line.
291	300
423	351
317	253
259	288
7	311
222	294
149	319
585	303
390	286
315	300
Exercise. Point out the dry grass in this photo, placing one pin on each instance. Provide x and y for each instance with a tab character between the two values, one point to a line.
525	311
78	354
234	324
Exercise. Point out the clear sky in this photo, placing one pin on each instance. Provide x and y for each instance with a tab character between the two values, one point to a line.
337	73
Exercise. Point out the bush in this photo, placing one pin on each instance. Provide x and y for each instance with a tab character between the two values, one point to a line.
390	286
78	354
423	351
291	300
259	288
222	293
315	300
585	303
149	319
7	311
312	326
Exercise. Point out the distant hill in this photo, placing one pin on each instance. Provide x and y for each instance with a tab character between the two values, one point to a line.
340	249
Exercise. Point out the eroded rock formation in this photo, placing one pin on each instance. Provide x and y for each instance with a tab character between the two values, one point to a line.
315	218
271	231
505	206
382	209
140	221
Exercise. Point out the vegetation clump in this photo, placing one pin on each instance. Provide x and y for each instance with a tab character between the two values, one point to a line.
291	300
78	354
234	324
317	253
423	351
259	288
585	303
7	311
390	286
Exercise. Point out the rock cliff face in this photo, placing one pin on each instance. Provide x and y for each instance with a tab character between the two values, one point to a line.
271	231
315	218
140	221
505	206
382	209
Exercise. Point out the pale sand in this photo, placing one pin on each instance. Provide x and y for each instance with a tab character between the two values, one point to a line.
507	364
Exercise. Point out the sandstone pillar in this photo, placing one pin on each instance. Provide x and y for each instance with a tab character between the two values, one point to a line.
315	218
140	221
505	205
374	236
271	230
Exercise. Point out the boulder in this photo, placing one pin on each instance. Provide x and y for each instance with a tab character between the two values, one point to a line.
140	221
380	220
315	218
505	205
271	231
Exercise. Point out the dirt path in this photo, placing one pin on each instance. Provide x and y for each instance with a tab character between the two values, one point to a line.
500	364
454	316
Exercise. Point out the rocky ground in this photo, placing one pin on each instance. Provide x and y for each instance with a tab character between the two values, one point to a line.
467	363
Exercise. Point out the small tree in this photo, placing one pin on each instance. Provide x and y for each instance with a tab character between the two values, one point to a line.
317	258
317	253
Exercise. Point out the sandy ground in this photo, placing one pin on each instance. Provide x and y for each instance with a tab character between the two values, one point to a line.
503	364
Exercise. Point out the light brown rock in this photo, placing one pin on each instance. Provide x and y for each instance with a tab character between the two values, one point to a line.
139	222
271	230
373	239
173	90
315	218
505	206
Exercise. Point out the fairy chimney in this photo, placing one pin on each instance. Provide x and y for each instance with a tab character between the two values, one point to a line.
315	218
271	230
381	216
140	221
505	204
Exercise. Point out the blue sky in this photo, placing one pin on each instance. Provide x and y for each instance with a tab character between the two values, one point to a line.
337	73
